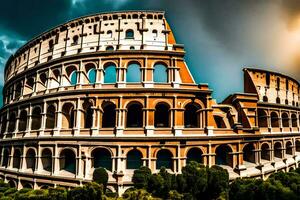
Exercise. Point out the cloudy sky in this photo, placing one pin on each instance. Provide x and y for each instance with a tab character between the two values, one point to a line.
220	37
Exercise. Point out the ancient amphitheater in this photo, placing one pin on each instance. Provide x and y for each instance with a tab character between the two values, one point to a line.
113	90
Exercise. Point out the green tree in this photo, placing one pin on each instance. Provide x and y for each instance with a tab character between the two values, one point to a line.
141	177
100	176
90	191
217	183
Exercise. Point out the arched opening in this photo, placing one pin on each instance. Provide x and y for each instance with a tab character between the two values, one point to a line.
262	118
274	120
129	34
294	120
30	159
17	159
133	74
68	115
101	157
191	116
12	122
12	184
278	150
289	148
109	33
30	83
265	152
109	48
88	115
109	115
50	117
194	154
75	39
92	76
51	44
47	160
223	156
36	119
18	91
297	144
164	159
134	159
68	161
161	115
134	115
249	153
278	100
72	74
5	158
110	73
43	79
219	121
23	120
265	99
285	120
27	185
160	73
3	123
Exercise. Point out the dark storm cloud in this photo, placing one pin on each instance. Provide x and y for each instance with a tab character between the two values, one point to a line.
31	17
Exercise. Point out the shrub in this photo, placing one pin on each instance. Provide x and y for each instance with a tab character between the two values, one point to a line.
100	176
58	193
90	191
141	177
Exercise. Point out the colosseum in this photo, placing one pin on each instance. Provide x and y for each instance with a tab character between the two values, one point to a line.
113	90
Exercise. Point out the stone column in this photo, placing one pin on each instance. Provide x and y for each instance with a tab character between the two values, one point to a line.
56	159
78	111
79	167
58	123
39	165
43	121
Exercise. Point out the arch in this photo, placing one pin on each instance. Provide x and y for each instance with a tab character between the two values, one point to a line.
43	78
191	116
110	48
278	100
30	83
294	120
265	152
110	73
134	116
194	154
154	33
17	159
161	115
164	159
285	120
23	120
133	74
18	91
5	158
47	160
50	117
92	76
101	157
73	78
12	184
3	122
289	148
75	39
160	73
109	115
278	150
67	161
223	156
12	122
219	121
27	185
297	144
36	119
68	114
88	115
274	119
262	118
109	33
129	34
248	153
134	159
30	159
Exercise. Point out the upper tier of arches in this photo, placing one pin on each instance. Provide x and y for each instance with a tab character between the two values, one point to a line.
97	33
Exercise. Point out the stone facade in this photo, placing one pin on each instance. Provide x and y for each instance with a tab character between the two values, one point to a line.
113	90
